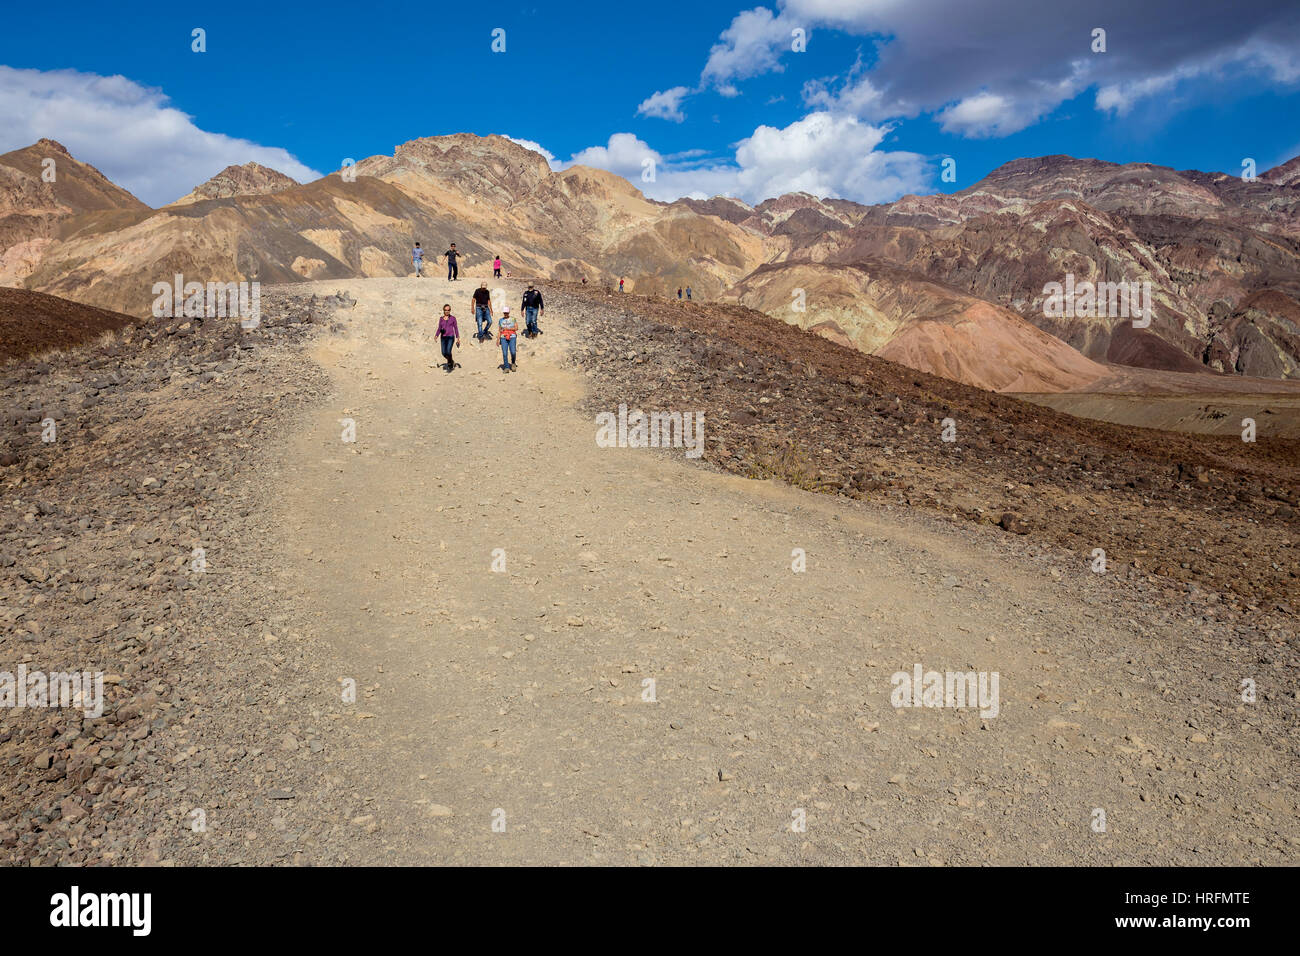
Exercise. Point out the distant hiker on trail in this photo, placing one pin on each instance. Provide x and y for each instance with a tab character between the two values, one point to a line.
453	270
688	293
483	312
417	254
449	333
507	328
532	306
620	285
679	293
496	268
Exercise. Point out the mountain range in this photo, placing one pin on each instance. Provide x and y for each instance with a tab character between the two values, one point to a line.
954	284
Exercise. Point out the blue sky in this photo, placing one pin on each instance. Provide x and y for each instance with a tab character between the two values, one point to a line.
884	90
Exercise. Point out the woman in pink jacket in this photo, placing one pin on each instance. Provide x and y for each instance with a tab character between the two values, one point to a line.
449	334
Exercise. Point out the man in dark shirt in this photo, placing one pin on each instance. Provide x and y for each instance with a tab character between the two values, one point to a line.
533	309
483	312
453	271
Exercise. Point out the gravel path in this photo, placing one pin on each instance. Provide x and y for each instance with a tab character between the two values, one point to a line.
643	678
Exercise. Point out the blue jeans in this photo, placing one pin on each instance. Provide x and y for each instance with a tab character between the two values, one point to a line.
507	350
482	319
530	319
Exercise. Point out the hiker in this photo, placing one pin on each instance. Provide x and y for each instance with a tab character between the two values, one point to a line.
483	312
449	333
453	270
496	268
507	328
620	285
533	308
679	293
688	293
417	254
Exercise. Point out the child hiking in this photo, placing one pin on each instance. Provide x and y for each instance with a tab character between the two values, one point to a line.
507	329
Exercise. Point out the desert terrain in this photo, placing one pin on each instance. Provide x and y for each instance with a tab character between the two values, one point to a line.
474	635
951	284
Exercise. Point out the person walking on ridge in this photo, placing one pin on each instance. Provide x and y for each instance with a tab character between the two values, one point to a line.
533	309
449	333
417	255
453	270
482	304
496	268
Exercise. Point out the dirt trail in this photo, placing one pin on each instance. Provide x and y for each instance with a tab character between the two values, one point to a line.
522	691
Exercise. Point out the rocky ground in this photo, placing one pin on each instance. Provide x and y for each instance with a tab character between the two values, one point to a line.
1212	519
32	323
325	562
164	442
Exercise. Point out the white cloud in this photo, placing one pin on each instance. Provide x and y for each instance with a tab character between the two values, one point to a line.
986	114
823	154
1122	97
1281	62
997	66
666	104
625	154
1260	57
856	95
750	46
536	148
125	130
826	155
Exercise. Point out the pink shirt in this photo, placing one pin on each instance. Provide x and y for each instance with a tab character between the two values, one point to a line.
447	327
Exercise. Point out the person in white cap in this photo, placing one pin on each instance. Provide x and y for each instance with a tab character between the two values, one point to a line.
507	328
